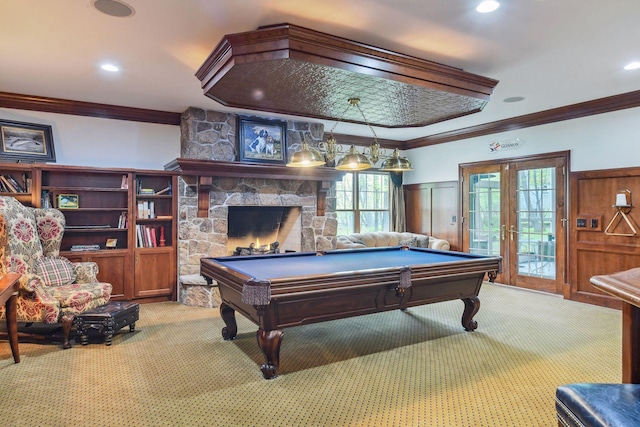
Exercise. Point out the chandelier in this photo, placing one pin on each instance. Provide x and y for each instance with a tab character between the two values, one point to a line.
326	153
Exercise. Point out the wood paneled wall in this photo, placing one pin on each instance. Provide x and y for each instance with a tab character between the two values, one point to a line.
432	209
592	251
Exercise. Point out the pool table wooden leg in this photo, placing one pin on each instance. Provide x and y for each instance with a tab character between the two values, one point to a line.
228	315
471	307
269	342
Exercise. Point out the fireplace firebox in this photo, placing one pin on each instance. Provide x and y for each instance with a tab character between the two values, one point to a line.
263	229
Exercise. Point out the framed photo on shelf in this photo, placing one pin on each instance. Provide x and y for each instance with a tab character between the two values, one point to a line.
262	140
111	243
68	201
28	142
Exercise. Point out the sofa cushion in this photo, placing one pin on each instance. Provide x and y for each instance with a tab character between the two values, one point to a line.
412	242
389	238
55	271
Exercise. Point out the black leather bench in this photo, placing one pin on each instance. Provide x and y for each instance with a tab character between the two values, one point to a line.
598	405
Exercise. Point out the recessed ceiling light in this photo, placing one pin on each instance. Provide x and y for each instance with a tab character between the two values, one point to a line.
113	8
514	99
110	67
488	6
632	66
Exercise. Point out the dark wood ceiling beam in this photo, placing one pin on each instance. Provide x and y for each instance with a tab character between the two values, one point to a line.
90	109
568	112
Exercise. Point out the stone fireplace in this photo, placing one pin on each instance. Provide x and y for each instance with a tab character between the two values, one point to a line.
210	135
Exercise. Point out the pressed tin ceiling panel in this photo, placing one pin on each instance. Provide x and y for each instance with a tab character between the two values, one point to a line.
293	70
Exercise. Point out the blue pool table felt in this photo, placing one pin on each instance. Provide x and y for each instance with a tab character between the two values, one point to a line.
273	267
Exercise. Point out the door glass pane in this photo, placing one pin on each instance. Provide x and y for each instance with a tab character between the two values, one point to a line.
536	199
484	213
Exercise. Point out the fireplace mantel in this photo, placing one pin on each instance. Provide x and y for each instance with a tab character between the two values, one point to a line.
251	170
206	170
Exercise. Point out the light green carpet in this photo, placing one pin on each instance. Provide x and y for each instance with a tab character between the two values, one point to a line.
413	368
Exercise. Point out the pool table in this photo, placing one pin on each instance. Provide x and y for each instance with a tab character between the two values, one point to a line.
290	289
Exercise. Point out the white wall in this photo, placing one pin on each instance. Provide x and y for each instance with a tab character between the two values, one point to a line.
604	141
89	141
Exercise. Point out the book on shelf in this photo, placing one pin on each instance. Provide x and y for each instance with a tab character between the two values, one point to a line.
122	220
80	248
146	210
147	236
144	191
26	179
166	190
78	227
4	186
9	185
16	184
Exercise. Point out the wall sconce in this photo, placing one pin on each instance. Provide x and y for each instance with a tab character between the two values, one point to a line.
327	152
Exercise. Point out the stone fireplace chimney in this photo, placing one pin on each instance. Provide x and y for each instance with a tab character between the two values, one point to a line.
211	135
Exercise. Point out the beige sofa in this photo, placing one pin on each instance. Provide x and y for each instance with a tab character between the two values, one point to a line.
390	238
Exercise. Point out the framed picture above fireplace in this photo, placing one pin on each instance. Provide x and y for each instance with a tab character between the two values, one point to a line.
262	140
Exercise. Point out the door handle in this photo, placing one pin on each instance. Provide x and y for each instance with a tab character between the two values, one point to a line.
503	231
511	231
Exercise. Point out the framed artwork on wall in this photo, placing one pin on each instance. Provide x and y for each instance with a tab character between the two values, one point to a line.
262	140
28	142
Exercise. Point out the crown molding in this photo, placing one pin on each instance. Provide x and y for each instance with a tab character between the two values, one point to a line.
568	112
90	109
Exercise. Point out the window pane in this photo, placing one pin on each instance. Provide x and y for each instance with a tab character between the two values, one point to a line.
362	202
345	222
374	221
374	191
344	193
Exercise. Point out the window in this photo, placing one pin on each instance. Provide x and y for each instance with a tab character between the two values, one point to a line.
362	202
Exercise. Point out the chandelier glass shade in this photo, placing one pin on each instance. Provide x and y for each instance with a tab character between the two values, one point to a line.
327	153
306	157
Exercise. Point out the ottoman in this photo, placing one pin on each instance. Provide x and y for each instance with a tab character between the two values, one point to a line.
598	405
107	320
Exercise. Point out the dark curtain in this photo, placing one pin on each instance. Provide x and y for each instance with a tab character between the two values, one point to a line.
398	222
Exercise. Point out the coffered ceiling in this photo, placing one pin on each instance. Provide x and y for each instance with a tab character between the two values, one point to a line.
550	53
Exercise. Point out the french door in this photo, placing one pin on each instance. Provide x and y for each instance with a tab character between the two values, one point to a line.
516	208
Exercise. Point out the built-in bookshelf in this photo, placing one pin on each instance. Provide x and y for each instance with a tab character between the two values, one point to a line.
154	211
16	181
92	203
155	233
103	218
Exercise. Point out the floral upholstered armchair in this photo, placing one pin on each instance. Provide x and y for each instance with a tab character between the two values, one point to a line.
52	288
